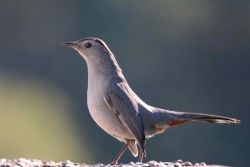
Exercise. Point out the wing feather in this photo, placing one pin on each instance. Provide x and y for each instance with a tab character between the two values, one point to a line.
125	109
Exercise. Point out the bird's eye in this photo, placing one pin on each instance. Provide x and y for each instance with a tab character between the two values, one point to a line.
88	45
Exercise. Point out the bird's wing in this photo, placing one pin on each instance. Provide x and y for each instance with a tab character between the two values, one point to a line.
125	109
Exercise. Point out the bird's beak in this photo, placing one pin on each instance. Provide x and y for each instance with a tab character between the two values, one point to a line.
71	44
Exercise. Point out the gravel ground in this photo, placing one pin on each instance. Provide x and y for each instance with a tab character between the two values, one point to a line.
22	162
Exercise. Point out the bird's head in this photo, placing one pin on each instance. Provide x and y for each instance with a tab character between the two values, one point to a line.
95	52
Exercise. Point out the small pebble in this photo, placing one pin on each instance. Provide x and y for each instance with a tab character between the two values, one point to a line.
77	164
196	164
131	163
3	160
161	164
152	163
177	164
53	164
145	165
187	163
15	166
138	163
7	164
99	165
179	160
168	163
22	160
21	163
203	164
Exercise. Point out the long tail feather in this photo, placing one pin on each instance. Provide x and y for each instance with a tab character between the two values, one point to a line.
209	118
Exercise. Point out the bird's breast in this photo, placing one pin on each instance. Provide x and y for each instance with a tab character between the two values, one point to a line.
102	114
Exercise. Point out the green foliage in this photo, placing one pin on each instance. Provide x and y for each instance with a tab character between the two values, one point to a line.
35	122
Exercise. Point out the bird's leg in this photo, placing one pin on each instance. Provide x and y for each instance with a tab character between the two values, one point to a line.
118	157
141	155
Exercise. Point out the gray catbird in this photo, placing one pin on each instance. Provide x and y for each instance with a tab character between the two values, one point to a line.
118	110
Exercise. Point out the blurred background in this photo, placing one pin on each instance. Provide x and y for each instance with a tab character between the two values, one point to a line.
189	56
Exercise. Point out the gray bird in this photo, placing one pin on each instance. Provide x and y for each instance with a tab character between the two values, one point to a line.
116	108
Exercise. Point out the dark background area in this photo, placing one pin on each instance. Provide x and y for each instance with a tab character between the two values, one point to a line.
189	56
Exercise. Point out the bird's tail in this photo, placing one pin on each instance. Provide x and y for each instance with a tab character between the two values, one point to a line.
208	118
173	118
162	119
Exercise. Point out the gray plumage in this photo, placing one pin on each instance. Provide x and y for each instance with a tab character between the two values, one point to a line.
118	110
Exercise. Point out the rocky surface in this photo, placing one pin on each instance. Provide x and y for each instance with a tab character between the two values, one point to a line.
22	162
